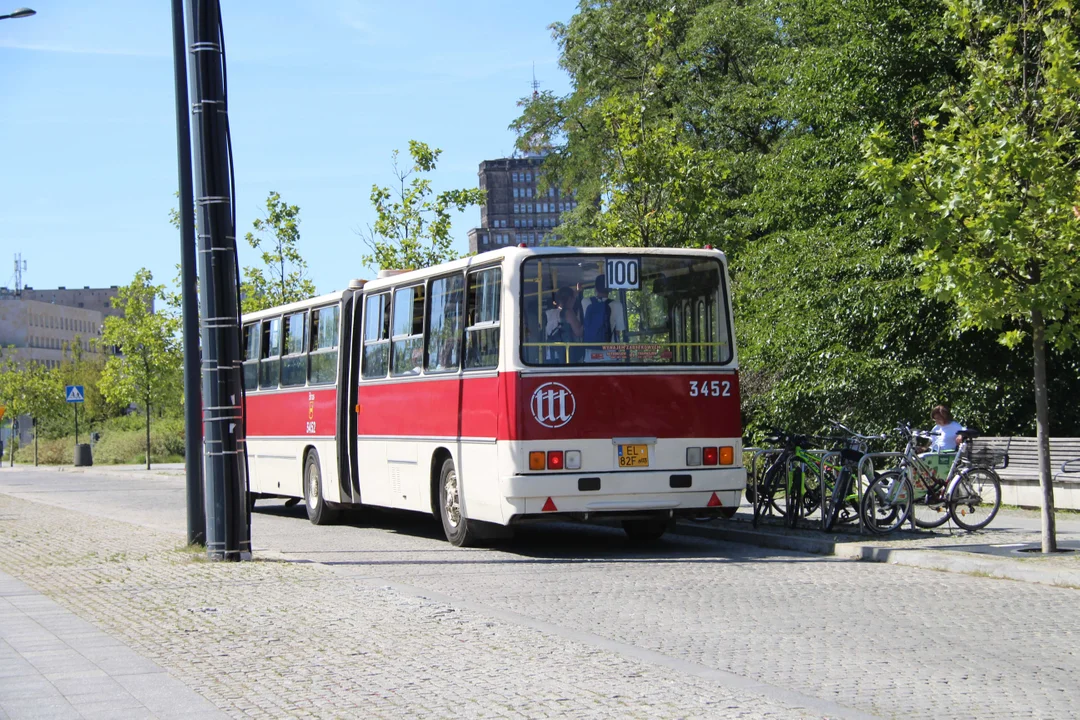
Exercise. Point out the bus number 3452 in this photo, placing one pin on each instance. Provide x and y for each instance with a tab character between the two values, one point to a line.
710	388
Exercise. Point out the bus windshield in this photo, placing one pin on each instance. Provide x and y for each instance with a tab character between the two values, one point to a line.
624	309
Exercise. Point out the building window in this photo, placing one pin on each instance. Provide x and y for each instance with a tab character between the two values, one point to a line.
515	192
551	192
528	177
517	223
514	176
516	207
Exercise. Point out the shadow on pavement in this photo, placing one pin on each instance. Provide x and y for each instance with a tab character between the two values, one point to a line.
556	542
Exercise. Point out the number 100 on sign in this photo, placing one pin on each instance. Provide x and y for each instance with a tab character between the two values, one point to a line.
623	273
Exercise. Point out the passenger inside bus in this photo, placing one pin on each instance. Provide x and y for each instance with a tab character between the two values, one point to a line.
567	328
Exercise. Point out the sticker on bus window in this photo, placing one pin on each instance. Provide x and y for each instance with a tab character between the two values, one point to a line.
623	273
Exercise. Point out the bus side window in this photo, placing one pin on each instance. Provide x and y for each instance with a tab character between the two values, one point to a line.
376	336
445	319
408	338
269	356
322	367
251	356
294	364
482	319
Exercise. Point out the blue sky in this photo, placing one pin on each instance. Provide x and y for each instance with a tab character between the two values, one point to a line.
320	93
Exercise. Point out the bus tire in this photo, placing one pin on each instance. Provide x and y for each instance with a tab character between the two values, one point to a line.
318	511
459	530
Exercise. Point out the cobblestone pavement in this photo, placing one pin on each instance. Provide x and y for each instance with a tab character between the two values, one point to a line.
280	639
683	623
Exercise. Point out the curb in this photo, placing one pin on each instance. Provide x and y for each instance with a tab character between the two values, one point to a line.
939	560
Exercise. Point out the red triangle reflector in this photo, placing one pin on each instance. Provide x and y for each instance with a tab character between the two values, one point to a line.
714	501
549	506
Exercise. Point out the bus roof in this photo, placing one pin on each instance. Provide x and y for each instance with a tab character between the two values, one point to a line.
493	256
481	260
297	306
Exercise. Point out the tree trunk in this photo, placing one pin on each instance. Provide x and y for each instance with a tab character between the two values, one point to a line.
147	434
1042	424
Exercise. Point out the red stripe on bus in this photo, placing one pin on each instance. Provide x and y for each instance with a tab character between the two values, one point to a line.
306	412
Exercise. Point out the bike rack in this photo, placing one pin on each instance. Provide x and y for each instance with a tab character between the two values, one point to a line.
821	486
765	452
868	460
758	453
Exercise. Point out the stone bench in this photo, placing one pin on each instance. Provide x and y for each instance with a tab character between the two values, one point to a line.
1020	478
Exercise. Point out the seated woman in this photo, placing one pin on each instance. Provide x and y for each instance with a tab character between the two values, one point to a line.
942	440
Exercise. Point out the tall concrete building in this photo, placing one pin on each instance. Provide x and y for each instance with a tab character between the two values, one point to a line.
516	211
43	325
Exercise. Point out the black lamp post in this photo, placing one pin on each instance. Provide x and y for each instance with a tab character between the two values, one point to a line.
20	13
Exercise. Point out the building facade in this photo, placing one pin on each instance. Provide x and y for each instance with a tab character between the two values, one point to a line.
516	210
43	332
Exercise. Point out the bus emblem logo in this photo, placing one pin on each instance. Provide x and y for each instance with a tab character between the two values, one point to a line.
553	405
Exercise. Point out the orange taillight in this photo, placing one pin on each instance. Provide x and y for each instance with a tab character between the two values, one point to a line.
536	460
727	455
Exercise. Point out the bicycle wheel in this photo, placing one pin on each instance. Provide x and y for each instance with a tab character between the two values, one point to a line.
772	481
929	503
975	498
838	499
886	504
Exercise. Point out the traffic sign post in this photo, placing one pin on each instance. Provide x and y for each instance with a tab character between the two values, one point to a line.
74	395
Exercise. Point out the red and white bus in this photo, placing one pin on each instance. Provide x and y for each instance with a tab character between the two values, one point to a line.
517	385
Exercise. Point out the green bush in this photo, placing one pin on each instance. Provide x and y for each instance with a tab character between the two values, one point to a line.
122	442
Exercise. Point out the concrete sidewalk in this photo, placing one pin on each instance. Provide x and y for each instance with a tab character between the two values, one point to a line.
996	551
55	665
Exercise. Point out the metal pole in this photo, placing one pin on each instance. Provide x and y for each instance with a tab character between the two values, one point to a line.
189	291
228	534
76	424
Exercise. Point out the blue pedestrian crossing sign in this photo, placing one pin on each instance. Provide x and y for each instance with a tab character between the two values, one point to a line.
74	393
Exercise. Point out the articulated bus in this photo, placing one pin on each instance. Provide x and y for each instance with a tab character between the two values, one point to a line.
518	385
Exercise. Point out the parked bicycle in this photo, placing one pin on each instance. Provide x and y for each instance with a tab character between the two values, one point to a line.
789	486
969	493
843	492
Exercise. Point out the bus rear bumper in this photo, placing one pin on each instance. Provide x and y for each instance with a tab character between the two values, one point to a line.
626	492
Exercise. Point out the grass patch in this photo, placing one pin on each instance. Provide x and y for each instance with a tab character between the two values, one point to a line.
123	442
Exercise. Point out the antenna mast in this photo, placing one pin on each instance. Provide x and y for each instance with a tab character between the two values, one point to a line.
20	268
535	83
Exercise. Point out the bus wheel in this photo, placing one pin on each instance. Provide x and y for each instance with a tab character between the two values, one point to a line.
318	512
459	530
645	531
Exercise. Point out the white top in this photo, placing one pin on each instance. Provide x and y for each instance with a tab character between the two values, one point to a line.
943	437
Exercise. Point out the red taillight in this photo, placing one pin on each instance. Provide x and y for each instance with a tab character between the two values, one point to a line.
555	459
710	456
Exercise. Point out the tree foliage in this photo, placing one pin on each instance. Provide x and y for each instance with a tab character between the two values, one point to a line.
147	369
990	182
283	277
413	224
32	389
744	121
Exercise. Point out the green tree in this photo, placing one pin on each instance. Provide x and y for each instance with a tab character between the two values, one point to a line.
147	370
412	226
30	389
283	279
993	187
